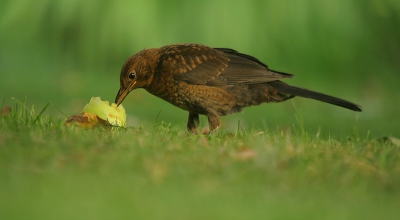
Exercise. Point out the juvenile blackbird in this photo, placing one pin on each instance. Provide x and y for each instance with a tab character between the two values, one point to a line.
210	81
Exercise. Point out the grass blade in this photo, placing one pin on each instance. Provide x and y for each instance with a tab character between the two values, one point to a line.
41	112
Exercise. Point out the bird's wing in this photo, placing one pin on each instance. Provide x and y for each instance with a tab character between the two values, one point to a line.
243	68
202	65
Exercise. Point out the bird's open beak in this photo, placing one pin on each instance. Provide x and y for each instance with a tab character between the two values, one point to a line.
122	93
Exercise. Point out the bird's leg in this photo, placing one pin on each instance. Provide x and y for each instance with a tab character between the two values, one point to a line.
193	121
213	122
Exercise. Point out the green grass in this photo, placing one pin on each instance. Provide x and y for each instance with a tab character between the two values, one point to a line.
158	171
64	52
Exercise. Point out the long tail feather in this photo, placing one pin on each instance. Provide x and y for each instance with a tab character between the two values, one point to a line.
305	93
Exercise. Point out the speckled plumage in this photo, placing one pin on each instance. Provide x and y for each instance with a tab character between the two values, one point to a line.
209	81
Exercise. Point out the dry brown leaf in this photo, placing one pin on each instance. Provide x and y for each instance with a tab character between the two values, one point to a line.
86	120
6	110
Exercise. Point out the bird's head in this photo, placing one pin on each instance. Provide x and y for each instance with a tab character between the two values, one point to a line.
137	72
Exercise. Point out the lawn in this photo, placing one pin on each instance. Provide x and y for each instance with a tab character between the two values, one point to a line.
158	171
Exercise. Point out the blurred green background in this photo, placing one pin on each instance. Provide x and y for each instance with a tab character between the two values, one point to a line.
65	52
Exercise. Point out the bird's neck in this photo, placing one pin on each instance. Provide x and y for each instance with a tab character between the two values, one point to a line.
161	86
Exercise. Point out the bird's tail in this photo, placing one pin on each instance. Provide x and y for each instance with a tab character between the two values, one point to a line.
305	93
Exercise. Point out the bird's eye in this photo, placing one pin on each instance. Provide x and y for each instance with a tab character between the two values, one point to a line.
132	75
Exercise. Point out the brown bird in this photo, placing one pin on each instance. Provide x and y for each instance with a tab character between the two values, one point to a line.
210	81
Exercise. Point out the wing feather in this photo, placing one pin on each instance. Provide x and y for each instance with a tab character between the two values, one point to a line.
201	65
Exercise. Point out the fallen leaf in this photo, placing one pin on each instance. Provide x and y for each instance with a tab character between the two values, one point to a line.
6	110
86	120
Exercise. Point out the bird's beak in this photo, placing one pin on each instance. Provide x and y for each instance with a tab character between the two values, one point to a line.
122	93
